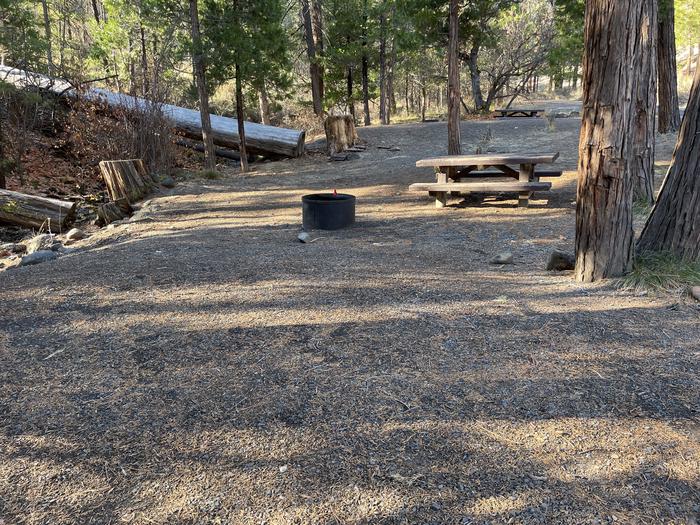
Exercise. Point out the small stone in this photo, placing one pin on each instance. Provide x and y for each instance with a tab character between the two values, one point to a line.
168	182
283	469
13	247
41	242
75	234
435	506
695	292
303	237
503	258
38	257
560	261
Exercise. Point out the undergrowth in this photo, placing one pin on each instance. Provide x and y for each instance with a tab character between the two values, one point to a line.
662	272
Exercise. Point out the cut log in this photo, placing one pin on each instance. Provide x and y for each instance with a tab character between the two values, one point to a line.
126	179
340	133
30	211
263	140
113	211
220	152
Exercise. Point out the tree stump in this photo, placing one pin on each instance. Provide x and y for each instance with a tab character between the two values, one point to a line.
340	133
113	211
126	179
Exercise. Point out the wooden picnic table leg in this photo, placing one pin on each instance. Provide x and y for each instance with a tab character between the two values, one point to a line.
440	196
527	172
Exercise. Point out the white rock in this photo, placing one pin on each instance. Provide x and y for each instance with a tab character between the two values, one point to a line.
695	292
75	234
503	258
304	237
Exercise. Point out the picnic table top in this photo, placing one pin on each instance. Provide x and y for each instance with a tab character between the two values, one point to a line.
517	110
488	159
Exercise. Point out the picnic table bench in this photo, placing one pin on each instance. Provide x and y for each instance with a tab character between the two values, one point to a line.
519	112
479	170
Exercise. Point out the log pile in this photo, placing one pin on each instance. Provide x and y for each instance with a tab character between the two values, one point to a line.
31	211
268	141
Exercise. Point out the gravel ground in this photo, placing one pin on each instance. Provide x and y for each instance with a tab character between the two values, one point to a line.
200	365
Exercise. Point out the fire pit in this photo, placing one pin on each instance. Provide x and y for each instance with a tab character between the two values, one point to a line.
328	211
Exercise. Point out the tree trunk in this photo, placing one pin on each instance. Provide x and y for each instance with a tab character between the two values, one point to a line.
241	119
264	104
454	140
674	224
31	211
351	97
314	69
382	70
365	66
144	62
645	110
669	112
47	33
475	76
613	46
317	25
201	80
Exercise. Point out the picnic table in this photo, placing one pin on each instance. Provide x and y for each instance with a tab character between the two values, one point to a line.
480	170
519	112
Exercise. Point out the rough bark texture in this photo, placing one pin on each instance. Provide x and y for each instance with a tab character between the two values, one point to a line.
110	212
453	132
669	112
201	80
613	44
365	66
340	133
674	224
264	104
126	179
383	110
645	107
30	211
475	77
314	69
241	119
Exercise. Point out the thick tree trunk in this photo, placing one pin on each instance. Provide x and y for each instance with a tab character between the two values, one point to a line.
201	80
340	133
383	110
475	76
669	112
645	111
31	211
317	25
314	69
454	141
365	66
674	224
351	96
144	62
611	72
47	34
241	119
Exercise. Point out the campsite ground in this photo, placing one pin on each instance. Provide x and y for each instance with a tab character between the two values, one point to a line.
200	365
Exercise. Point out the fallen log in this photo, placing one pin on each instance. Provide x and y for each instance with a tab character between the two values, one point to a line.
260	139
31	211
126	179
220	152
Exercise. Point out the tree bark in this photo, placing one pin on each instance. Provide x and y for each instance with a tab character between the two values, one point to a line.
454	140
264	104
475	76
351	96
199	66
317	25
383	117
611	72
365	66
241	119
674	223
669	112
645	110
126	179
47	33
314	69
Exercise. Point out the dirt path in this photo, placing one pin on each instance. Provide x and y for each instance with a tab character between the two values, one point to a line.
202	366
